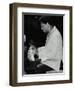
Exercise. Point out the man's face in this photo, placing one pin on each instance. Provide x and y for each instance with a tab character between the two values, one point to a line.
45	27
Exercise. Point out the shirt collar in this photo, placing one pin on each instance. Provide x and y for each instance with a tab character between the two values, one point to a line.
53	29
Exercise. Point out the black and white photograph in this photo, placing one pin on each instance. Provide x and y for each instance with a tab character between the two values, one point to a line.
40	44
43	44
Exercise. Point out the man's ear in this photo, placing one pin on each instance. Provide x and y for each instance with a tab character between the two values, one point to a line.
47	23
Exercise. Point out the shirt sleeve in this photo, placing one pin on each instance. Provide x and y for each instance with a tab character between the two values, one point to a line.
50	49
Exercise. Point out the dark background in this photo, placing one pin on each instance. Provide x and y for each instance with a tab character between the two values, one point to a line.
33	31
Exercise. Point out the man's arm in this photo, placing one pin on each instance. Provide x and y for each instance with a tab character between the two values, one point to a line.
51	48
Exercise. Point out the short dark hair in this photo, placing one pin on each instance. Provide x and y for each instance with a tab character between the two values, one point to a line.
47	19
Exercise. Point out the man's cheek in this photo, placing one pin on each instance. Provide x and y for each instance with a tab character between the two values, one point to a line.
42	28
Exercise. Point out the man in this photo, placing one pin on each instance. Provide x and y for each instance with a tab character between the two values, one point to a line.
52	53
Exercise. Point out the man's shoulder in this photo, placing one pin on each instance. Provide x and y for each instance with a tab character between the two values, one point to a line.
57	32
